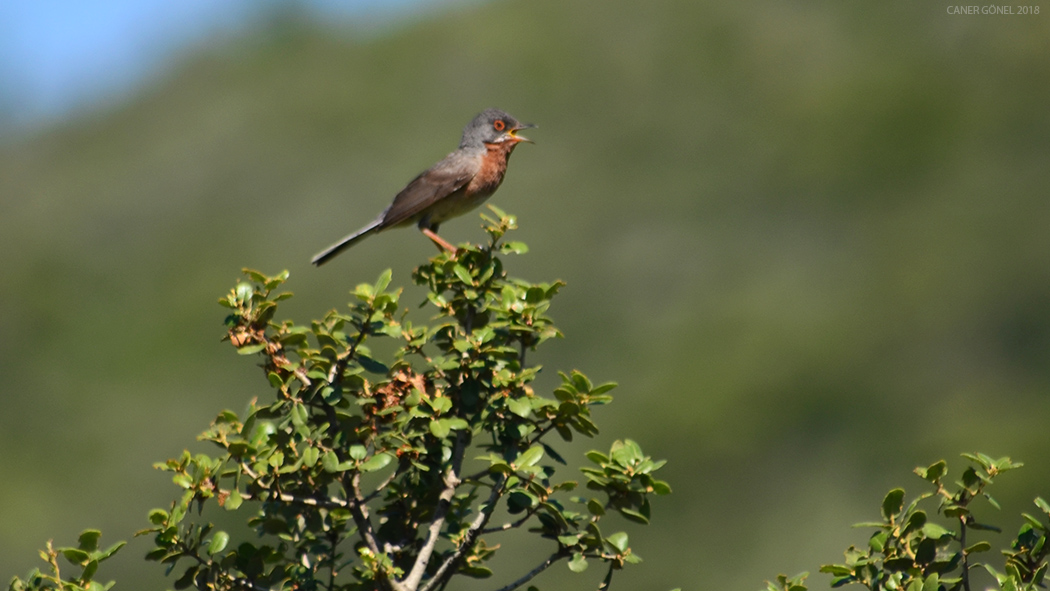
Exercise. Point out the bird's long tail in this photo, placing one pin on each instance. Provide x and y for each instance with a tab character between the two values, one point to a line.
346	242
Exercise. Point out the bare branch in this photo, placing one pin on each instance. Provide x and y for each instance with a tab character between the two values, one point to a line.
477	476
359	511
447	568
329	503
385	483
608	578
561	553
336	373
510	525
411	582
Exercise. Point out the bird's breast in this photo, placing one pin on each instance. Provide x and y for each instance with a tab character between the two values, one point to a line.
493	167
488	178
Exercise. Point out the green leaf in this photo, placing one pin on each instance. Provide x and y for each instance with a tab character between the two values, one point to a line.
440	404
88	540
371	365
892	504
514	248
581	382
75	556
635	516
463	274
878	540
233	501
595	508
89	571
218	542
981	546
383	282
529	457
251	349
110	551
187	578
158	516
597	457
439	428
568	540
1042	504
330	462
377	462
358	452
456	423
519	500
500	467
310	456
935	531
276	460
578	563
476	572
624	453
520	406
553	454
618	540
934	471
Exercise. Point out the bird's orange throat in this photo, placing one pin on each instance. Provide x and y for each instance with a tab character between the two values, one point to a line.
493	166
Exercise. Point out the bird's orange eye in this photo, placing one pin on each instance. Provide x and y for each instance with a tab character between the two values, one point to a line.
499	125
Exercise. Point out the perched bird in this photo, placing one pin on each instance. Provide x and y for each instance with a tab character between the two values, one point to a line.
455	185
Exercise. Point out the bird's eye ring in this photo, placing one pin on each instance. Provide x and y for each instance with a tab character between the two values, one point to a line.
499	125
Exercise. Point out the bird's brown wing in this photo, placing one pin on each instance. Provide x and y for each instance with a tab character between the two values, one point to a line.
443	179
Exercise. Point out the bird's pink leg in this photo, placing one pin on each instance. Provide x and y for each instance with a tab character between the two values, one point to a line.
438	240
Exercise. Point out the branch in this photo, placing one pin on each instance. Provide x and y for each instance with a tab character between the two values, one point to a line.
511	524
386	482
247	584
608	579
477	476
540	434
446	568
329	503
341	362
965	557
411	582
359	511
561	553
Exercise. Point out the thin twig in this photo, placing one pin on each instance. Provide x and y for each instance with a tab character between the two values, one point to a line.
539	569
245	583
510	524
965	558
477	476
385	483
329	503
608	579
333	540
540	435
340	364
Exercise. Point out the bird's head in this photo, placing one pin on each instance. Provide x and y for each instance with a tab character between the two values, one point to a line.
493	126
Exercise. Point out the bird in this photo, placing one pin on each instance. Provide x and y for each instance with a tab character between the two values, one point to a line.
455	185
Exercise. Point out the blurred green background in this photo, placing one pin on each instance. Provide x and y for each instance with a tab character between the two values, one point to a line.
811	241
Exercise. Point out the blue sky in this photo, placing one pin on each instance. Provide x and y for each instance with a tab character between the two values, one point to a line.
57	56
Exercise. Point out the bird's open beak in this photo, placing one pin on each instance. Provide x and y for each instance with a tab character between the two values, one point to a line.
520	138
